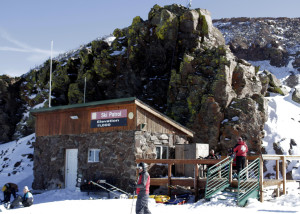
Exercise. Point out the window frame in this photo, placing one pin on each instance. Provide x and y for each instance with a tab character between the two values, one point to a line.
94	155
161	147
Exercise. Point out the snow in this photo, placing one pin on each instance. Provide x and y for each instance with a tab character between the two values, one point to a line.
67	201
224	121
109	39
235	118
115	53
280	72
64	201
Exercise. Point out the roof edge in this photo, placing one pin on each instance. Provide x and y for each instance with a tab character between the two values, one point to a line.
80	105
164	118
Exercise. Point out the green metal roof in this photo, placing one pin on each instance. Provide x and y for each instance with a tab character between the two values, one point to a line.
80	105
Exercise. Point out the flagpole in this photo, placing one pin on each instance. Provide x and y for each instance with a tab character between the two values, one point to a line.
50	75
84	89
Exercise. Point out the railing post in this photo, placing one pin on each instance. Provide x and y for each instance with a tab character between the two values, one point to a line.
169	178
246	165
230	172
261	178
284	174
196	182
277	178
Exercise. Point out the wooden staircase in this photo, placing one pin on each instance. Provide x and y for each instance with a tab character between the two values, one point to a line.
218	180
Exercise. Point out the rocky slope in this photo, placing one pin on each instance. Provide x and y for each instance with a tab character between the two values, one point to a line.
177	62
10	106
274	39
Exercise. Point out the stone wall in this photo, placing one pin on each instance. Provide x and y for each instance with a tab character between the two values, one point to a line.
118	152
117	159
145	145
146	142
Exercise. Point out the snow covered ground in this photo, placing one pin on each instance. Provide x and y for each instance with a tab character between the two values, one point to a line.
64	201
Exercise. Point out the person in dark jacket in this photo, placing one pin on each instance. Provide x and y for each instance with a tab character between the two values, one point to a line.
142	190
212	155
240	150
9	189
27	199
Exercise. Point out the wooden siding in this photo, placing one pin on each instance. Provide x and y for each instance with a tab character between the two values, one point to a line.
59	122
154	124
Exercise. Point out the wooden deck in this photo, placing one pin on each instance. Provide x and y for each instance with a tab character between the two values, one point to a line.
187	182
196	183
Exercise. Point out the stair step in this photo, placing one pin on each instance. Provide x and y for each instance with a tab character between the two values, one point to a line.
226	197
230	195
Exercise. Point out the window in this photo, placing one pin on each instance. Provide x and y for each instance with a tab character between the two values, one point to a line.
162	152
93	155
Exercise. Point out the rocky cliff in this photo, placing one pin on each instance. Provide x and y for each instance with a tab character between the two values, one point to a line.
276	40
176	61
11	106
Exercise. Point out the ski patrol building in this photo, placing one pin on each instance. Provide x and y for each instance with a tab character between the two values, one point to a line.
100	140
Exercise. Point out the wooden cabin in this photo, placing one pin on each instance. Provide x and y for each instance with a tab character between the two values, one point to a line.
100	140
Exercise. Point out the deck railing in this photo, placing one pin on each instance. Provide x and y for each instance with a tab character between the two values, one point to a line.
217	177
248	182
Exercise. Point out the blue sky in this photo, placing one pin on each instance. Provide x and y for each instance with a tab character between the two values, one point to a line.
28	26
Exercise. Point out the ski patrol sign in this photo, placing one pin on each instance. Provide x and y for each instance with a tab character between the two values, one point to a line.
109	118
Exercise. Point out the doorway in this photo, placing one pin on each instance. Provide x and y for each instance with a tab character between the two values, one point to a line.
71	168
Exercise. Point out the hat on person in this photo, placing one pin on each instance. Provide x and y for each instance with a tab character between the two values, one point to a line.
142	166
26	188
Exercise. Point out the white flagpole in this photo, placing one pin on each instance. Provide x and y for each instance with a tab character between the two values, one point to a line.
50	75
84	89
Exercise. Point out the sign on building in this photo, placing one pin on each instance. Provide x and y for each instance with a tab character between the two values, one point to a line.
109	118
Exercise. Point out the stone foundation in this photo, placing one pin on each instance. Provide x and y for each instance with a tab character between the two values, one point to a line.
118	153
117	159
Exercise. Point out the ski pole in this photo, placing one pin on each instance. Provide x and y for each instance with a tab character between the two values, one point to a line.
132	202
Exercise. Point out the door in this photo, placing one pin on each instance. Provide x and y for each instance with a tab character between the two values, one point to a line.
71	168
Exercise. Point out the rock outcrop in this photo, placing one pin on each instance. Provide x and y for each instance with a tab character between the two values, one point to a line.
258	39
296	95
10	107
178	63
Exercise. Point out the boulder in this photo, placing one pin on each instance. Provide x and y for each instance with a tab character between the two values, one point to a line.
275	85
296	95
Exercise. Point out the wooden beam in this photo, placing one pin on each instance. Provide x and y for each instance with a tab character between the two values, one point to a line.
188	182
169	178
284	174
274	182
180	161
279	157
196	182
261	179
186	161
277	178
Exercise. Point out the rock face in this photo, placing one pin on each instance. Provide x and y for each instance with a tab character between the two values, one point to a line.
178	63
257	39
10	107
274	84
275	40
296	96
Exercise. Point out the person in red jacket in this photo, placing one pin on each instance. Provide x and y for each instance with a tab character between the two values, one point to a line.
142	190
240	150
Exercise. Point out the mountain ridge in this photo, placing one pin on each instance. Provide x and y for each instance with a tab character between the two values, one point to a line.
177	51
